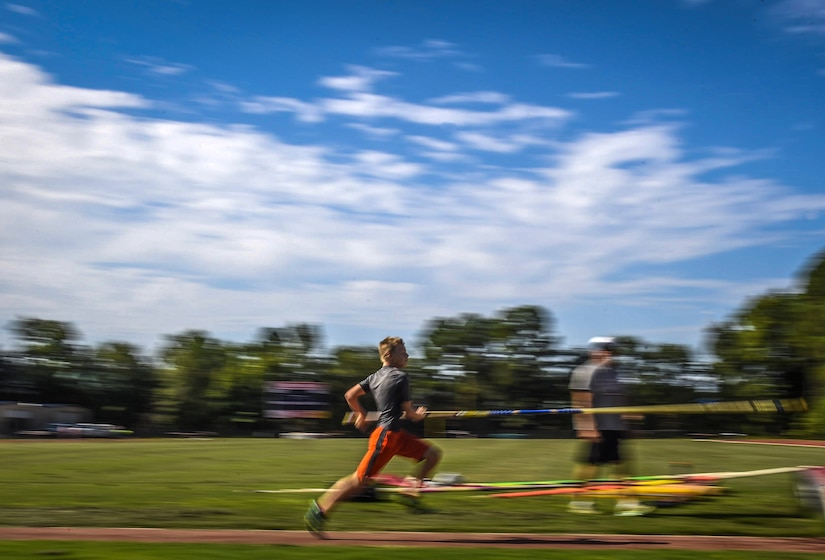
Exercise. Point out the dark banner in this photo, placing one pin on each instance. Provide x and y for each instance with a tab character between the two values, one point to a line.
296	399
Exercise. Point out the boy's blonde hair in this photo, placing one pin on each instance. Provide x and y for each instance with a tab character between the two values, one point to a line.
386	346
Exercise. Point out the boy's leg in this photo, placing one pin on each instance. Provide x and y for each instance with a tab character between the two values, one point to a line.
347	486
316	516
427	456
343	489
314	520
421	451
428	464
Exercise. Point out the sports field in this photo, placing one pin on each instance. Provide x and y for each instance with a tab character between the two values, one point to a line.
216	484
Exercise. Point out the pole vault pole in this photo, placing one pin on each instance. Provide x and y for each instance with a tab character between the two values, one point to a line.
720	407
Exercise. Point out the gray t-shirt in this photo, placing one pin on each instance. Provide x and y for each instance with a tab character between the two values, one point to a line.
389	387
603	383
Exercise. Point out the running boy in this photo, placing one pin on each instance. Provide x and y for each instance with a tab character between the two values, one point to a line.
390	387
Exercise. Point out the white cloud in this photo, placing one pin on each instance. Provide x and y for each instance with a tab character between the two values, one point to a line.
372	106
558	61
801	16
473	97
433	143
428	50
594	95
6	39
373	131
367	105
488	143
22	10
359	79
160	67
176	225
306	112
384	165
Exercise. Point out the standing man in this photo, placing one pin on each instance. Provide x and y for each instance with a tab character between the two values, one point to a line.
390	387
595	384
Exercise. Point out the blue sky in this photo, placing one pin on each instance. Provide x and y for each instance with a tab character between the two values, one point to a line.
636	168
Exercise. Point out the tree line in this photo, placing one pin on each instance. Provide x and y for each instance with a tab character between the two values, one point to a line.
773	346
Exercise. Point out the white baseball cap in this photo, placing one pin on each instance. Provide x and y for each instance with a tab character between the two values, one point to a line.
607	343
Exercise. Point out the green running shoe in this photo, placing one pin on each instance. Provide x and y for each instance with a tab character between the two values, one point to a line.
314	520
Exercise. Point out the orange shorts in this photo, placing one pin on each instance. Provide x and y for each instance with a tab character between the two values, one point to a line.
386	444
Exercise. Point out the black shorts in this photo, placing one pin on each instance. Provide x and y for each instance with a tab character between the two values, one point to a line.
604	451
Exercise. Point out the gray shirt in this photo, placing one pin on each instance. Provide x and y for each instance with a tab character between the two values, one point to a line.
389	387
602	382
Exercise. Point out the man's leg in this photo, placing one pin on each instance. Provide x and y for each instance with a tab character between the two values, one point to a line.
586	469
585	472
629	505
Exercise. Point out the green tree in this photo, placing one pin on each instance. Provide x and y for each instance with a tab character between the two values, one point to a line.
474	362
774	347
664	373
127	382
54	364
812	332
13	383
236	389
289	353
192	362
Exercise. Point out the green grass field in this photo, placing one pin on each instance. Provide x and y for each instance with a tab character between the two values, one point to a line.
211	484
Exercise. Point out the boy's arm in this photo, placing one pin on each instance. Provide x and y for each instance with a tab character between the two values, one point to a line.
414	414
353	398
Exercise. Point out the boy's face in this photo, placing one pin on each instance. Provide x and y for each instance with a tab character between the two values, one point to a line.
399	356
